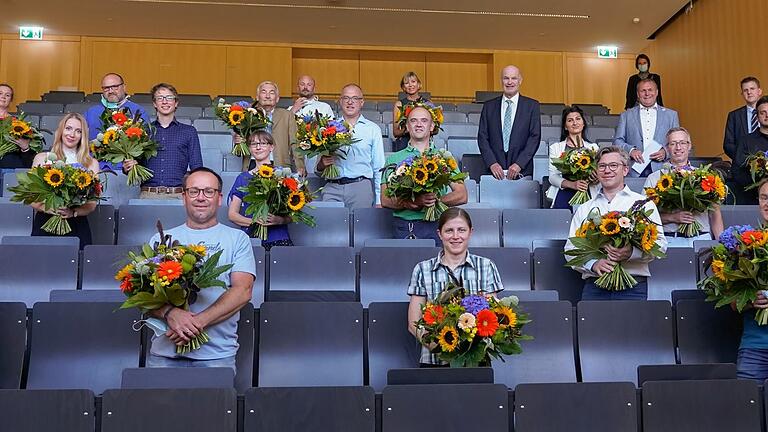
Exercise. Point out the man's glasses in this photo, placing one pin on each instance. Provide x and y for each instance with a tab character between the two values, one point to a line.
166	98
112	87
609	167
194	192
351	98
679	143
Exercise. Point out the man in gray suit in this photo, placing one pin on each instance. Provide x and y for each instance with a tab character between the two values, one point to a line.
645	126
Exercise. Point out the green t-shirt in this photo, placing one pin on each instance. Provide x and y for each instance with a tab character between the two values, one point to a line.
396	158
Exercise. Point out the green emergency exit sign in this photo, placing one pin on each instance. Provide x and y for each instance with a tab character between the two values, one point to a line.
609	52
30	32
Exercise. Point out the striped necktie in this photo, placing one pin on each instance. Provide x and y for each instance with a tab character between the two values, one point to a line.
753	121
506	128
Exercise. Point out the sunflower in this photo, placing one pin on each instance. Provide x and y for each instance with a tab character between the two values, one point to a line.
83	180
19	128
420	175
109	136
315	140
430	165
609	226
54	177
124	272
266	171
649	237
236	117
583	162
506	316
198	249
717	268
652	195
169	270
582	231
296	200
452	164
665	182
448	339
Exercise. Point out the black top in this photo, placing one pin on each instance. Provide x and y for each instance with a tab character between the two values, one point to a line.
747	145
632	89
17	159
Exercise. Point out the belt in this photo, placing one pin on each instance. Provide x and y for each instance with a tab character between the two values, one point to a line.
677	234
347	180
162	189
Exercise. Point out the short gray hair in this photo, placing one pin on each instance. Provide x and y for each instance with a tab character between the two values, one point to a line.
678	129
613	149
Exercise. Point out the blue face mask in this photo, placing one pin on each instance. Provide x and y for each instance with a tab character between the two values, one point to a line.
108	104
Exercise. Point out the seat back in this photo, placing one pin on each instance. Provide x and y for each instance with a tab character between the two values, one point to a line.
54	267
679	372
371	223
390	345
101	263
178	378
333	228
514	265
102	223
706	334
327	273
486	224
505	194
385	273
675	272
137	223
550	273
15	219
13	339
522	226
48	410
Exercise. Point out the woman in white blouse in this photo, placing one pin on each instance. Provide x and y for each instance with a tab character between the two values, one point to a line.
572	134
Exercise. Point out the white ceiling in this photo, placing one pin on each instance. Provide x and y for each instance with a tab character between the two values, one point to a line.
480	24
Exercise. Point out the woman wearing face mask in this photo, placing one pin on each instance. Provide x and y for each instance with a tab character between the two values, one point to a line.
23	157
643	65
70	144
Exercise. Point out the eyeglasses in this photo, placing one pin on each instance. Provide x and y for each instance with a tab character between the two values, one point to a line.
167	98
194	192
112	87
258	144
679	143
351	99
609	167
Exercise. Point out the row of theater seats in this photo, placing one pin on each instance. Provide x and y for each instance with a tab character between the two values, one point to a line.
310	273
710	405
87	344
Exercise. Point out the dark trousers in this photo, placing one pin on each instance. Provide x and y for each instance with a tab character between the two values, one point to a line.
752	363
638	292
415	229
562	198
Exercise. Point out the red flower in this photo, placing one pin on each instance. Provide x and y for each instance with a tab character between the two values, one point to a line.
119	118
134	132
408	110
126	286
329	131
487	323
433	314
291	184
708	183
169	270
750	237
235	108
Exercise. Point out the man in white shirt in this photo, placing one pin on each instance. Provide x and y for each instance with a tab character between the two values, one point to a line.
307	102
642	130
614	195
679	145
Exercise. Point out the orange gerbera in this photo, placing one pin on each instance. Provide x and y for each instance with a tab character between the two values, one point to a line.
125	285
235	108
708	183
291	184
433	314
134	132
119	118
487	323
169	270
750	237
330	131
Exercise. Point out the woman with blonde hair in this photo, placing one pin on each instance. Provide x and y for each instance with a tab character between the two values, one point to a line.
71	145
411	86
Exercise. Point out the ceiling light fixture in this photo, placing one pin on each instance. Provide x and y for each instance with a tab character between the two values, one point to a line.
367	9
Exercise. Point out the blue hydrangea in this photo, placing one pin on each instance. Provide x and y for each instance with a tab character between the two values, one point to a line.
474	304
244	104
308	118
766	154
408	161
728	238
339	125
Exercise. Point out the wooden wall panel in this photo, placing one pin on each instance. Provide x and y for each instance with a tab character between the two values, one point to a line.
36	67
593	80
542	73
331	69
247	66
381	71
457	75
702	56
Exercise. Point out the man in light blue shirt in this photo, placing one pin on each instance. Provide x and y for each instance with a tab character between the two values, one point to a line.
359	182
216	310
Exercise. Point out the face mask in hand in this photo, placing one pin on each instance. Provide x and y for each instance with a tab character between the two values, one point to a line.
643	68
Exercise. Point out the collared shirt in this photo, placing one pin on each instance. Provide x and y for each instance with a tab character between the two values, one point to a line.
178	150
701	218
515	100
648	122
637	264
93	116
431	277
313	105
396	158
365	158
749	119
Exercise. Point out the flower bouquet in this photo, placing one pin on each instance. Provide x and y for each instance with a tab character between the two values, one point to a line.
170	273
125	138
430	172
618	229
401	115
739	269
13	129
243	119
57	185
758	168
697	190
279	192
577	163
468	330
319	135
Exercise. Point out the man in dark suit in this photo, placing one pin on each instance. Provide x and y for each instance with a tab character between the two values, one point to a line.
750	144
510	130
742	121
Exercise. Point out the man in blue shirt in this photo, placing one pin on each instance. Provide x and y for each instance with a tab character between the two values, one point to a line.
178	148
359	183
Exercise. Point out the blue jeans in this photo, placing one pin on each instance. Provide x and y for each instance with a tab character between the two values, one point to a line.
638	292
156	361
752	363
419	229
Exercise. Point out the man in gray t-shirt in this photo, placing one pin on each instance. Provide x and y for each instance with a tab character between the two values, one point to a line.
216	310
